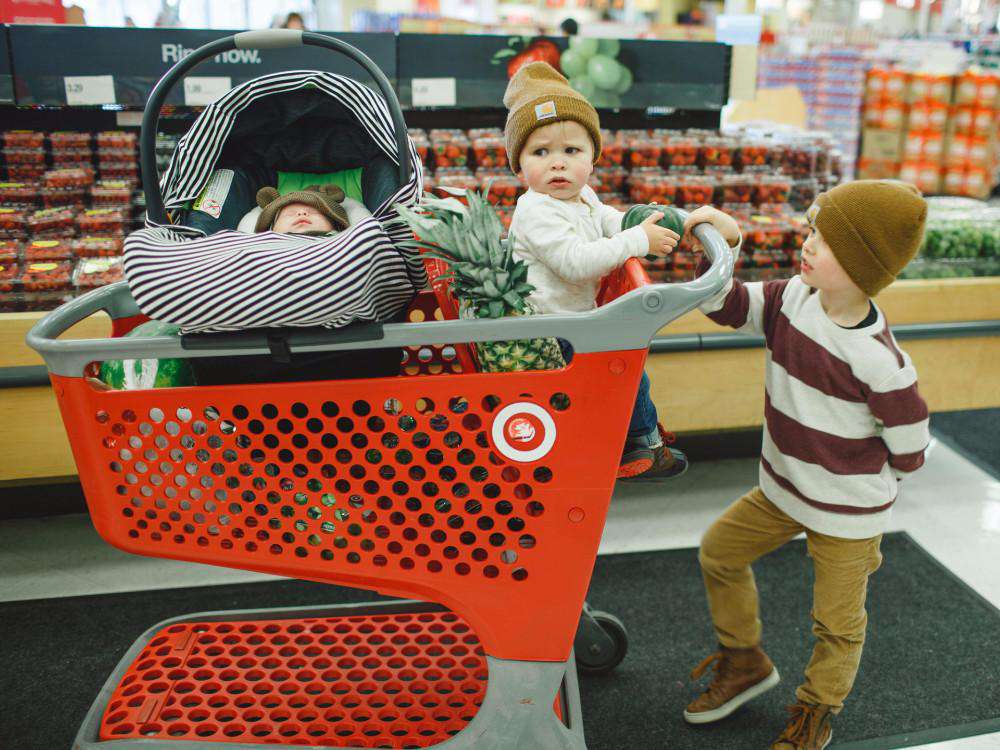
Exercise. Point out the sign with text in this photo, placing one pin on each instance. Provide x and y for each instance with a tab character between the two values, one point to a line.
434	92
89	90
137	58
203	90
611	73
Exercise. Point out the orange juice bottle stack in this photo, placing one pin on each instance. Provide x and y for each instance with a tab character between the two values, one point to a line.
970	154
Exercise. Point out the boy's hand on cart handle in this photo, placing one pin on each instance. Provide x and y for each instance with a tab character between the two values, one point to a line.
661	240
725	224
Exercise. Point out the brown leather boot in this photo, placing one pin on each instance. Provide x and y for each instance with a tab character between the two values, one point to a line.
741	674
809	728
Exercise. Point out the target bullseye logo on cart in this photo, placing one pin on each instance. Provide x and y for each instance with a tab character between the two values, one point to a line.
524	432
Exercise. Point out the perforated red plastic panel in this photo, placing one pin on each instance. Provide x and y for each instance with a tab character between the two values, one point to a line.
379	681
483	492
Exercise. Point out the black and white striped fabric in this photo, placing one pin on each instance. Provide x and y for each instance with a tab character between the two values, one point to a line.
231	280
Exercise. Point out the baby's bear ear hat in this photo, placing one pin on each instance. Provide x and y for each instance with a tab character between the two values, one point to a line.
327	199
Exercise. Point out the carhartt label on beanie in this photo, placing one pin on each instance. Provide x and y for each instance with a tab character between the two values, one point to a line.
539	95
873	227
545	110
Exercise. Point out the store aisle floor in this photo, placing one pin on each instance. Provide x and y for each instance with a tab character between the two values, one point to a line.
951	507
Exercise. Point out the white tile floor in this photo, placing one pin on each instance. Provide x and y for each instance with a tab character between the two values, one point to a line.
950	507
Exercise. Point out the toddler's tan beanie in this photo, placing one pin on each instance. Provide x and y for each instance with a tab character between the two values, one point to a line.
873	227
539	95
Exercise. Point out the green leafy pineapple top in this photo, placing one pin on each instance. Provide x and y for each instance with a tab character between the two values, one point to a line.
484	272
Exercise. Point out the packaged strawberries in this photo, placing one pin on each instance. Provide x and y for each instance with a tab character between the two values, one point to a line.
47	276
66	140
97	247
10	251
102	221
23	194
13	223
111	193
91	273
42	250
52	222
504	189
490	152
23	139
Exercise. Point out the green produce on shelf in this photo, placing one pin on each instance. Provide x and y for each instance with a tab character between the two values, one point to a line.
592	67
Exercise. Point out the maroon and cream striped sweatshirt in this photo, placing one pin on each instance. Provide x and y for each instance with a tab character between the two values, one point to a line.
844	420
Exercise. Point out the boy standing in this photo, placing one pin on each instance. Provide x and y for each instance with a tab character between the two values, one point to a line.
568	238
844	422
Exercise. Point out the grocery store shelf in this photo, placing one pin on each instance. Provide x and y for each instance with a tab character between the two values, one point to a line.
67	66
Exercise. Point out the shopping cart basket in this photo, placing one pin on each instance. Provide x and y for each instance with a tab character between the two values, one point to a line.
481	496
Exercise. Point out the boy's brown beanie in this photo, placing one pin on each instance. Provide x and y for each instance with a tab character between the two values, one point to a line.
539	95
873	227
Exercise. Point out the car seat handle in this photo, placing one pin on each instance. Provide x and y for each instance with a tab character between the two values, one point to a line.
266	39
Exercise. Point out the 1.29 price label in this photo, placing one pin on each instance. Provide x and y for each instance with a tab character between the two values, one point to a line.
89	90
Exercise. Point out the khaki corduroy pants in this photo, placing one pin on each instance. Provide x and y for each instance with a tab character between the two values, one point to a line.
750	528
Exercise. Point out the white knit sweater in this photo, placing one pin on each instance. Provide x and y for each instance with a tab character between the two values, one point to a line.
569	247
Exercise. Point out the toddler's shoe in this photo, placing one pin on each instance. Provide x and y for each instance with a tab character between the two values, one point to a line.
641	461
741	674
667	464
637	457
809	728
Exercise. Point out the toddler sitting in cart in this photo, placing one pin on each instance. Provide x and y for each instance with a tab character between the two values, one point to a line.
569	239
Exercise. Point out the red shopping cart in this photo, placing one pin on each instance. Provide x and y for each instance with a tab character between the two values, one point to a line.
477	498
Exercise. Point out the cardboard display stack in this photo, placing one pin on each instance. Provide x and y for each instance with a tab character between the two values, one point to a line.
937	131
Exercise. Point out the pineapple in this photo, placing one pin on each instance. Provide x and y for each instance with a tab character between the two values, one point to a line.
486	278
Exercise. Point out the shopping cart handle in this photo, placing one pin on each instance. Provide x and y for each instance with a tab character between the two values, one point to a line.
629	322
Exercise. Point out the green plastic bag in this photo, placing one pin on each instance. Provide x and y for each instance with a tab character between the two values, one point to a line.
143	374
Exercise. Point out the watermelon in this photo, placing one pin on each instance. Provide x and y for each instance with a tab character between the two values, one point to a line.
672	218
142	374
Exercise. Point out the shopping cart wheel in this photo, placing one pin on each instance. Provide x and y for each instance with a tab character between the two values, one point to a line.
601	642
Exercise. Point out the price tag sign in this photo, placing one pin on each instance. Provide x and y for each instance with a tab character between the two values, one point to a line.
433	92
89	90
201	91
